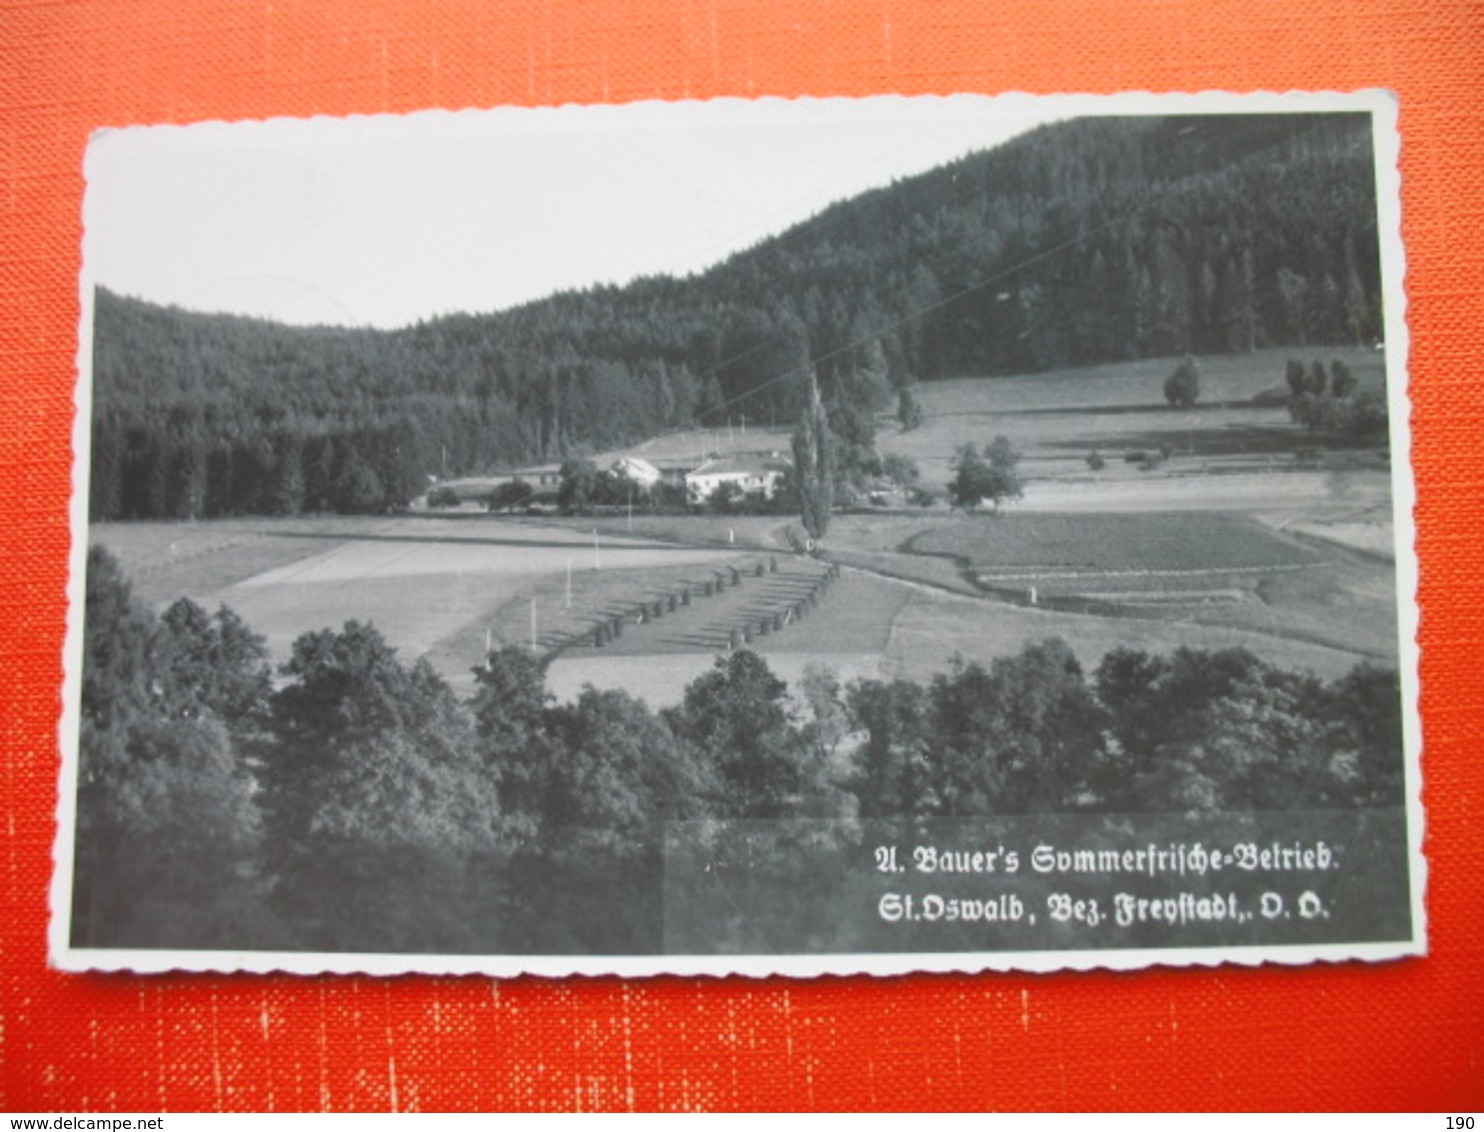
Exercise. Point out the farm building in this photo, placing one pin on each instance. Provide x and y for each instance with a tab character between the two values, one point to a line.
641	473
749	473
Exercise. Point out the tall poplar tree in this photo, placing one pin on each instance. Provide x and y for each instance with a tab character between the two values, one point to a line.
814	464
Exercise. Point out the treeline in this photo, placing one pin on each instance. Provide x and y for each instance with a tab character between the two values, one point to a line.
355	804
1088	241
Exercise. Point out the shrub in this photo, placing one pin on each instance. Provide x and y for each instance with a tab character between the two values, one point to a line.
1183	387
922	496
726	497
901	470
1342	381
509	494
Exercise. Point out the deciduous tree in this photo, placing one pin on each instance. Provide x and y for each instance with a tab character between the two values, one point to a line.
736	716
993	477
511	493
580	485
383	820
167	818
894	765
213	664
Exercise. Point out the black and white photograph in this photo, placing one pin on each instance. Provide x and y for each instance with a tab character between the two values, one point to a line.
766	537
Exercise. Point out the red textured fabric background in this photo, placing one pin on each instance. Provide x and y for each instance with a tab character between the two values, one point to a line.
1408	1034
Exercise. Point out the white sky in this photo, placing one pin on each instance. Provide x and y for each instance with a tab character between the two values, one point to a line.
386	220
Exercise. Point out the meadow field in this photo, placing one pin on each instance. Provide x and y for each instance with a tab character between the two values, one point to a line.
1019	544
1229	542
1161	573
427	584
1234	540
1056	420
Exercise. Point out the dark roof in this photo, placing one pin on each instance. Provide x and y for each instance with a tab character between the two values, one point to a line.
743	465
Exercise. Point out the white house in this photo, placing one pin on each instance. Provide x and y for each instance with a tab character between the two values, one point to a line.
749	473
641	473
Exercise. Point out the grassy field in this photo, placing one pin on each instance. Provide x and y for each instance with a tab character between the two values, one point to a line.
928	629
746	532
1055	420
935	627
443	588
1120	404
1022	544
1225	379
849	633
165	561
1208	569
1228	542
423	582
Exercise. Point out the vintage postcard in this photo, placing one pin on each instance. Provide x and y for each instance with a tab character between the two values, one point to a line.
796	537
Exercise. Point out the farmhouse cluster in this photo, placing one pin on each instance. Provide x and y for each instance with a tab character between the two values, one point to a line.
749	475
745	474
714	479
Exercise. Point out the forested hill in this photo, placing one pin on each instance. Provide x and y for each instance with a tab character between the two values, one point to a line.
1092	240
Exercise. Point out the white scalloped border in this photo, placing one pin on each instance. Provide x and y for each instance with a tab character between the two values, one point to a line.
1384	110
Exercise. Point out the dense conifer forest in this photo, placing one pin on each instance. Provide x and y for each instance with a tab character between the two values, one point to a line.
1088	241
